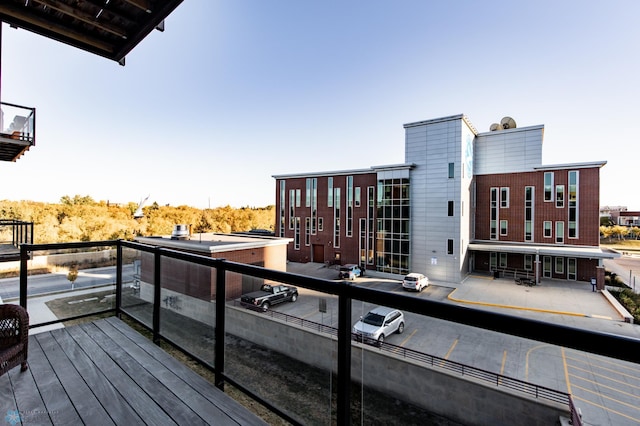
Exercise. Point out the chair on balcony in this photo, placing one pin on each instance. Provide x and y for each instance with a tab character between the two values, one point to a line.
14	337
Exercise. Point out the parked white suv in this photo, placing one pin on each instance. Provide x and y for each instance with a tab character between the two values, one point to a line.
378	324
415	281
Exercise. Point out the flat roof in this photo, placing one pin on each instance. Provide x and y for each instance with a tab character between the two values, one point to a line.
373	169
214	242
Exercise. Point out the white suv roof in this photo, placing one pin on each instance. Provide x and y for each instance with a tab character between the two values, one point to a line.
382	310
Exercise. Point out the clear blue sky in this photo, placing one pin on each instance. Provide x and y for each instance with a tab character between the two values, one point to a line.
236	91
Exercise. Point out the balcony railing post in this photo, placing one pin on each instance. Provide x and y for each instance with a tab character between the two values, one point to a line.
221	297
157	294
24	257
344	361
118	279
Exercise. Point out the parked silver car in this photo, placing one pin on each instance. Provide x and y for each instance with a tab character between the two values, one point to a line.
379	323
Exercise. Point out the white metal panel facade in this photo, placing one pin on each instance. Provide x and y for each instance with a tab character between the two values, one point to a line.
508	151
431	145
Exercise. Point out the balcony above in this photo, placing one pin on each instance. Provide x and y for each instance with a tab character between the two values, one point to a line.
109	29
17	130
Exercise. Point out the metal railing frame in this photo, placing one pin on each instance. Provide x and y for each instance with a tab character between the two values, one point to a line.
605	344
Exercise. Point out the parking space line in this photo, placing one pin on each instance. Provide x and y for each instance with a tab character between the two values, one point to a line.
455	342
600	385
566	371
602	407
609	378
408	337
504	360
626	404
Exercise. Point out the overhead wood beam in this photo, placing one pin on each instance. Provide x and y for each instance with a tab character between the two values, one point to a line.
140	4
82	16
58	29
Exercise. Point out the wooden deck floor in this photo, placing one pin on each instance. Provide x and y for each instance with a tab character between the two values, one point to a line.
105	373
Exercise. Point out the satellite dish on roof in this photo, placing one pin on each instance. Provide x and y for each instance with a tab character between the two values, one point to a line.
495	126
508	123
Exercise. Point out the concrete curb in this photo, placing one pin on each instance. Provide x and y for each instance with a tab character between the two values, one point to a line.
617	306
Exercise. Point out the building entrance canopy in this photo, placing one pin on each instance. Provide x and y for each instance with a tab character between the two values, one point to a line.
545	250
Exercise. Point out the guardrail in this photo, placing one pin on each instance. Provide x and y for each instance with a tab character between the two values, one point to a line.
616	346
537	391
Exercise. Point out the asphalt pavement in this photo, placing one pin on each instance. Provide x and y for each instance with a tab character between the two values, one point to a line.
568	303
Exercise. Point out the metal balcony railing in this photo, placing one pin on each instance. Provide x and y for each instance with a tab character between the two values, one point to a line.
148	313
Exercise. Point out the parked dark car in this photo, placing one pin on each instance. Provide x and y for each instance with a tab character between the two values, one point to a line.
269	295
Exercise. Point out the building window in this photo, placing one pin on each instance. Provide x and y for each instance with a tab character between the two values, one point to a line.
528	262
451	170
503	260
349	206
371	213
283	209
330	192
493	231
503	227
314	205
504	198
449	246
450	208
357	196
292	208
307	231
573	203
572	269
307	198
392	242
296	234
559	265
559	232
559	196
336	217
547	229
546	266
320	224
529	194
548	186
493	260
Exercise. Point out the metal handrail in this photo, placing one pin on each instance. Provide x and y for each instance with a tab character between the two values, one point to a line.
616	346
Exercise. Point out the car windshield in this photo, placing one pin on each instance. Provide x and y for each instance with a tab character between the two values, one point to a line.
373	319
411	278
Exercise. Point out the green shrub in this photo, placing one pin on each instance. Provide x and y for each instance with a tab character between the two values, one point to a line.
630	300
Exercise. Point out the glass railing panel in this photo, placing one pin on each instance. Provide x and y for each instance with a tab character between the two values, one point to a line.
286	354
138	285
17	122
187	308
67	283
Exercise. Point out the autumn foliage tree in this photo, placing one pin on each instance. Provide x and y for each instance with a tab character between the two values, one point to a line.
80	218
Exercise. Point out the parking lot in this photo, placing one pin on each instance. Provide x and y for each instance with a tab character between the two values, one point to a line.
606	390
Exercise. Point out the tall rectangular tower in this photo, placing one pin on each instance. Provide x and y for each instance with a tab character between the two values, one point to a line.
441	186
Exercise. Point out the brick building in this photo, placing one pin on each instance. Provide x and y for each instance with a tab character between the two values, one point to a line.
463	201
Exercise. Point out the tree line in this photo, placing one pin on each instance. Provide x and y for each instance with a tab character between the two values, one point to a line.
619	232
80	218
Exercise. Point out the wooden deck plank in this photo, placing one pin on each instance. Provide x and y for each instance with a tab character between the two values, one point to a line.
147	372
224	402
59	407
106	373
29	403
81	398
171	378
7	398
115	405
132	395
